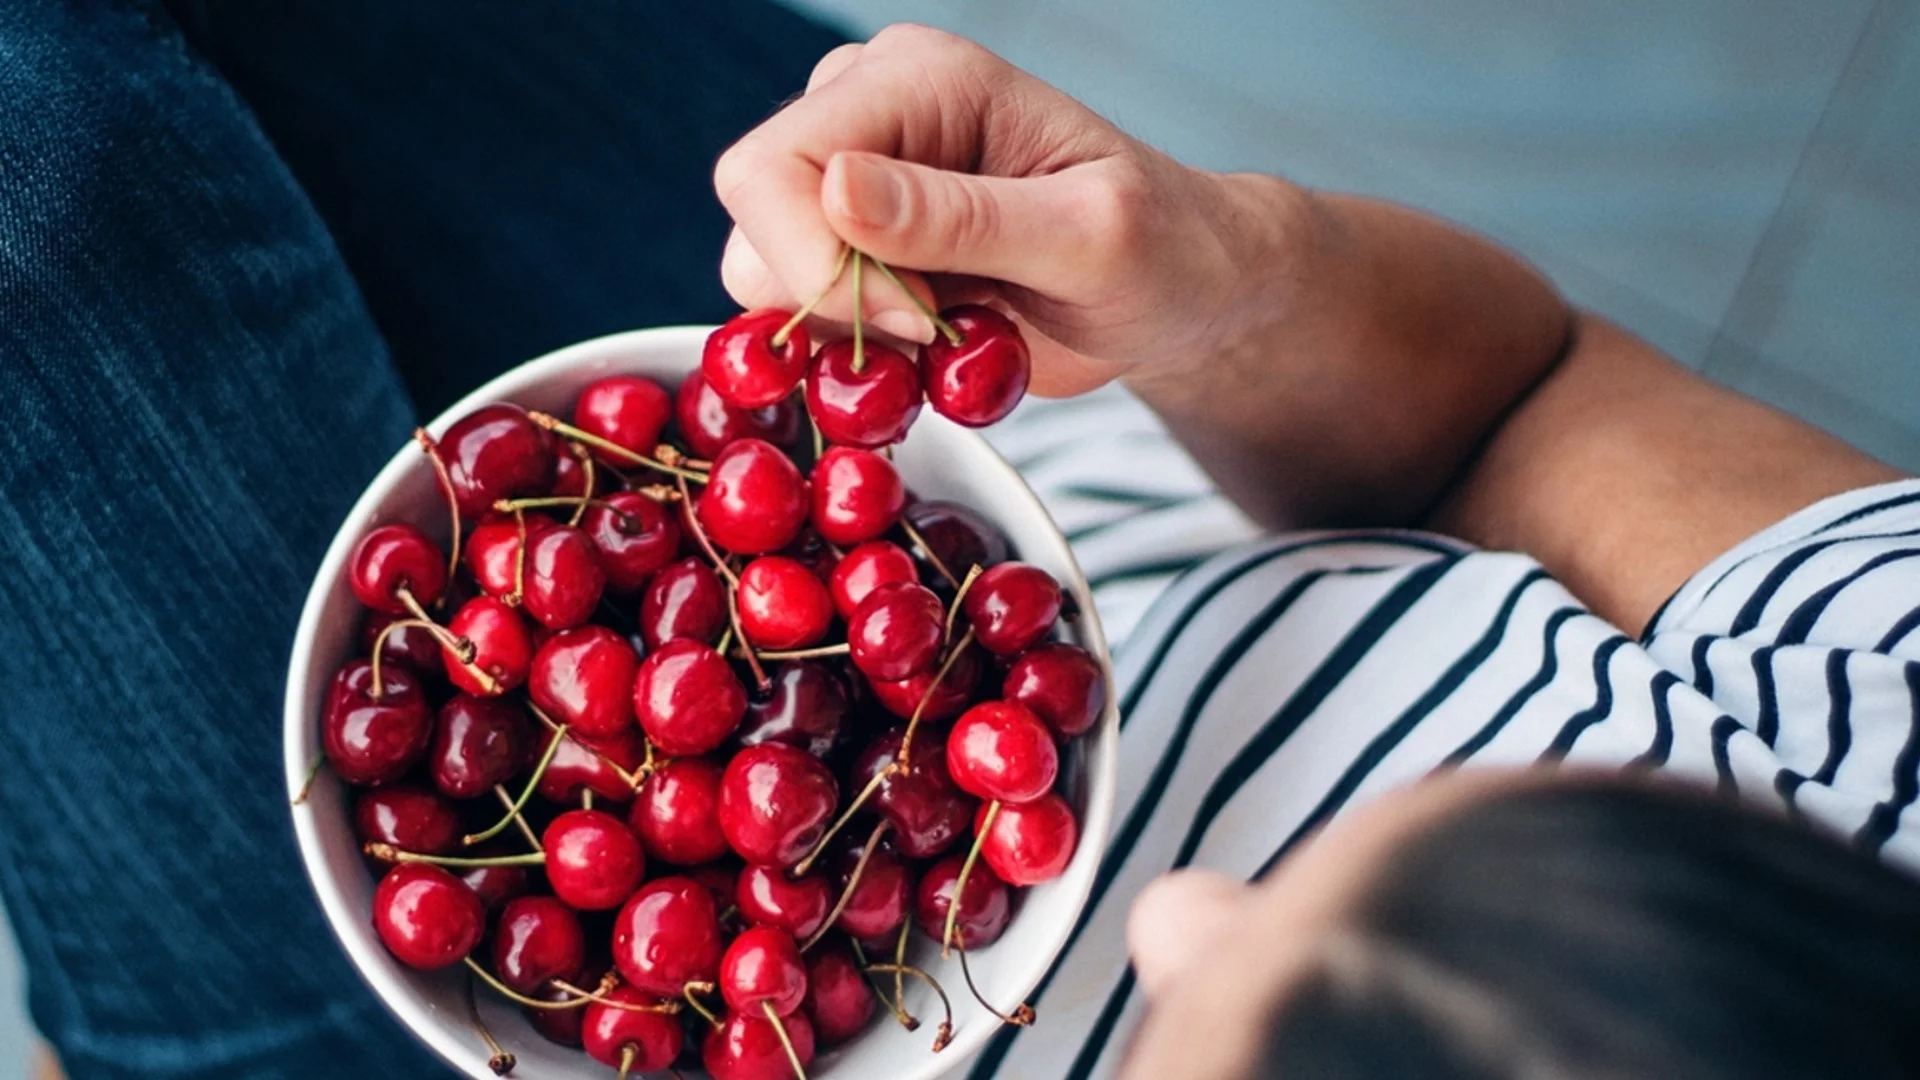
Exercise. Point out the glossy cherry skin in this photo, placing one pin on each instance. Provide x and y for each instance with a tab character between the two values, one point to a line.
866	568
755	500
929	813
959	536
496	452
570	476
880	898
869	408
687	698
985	906
806	707
641	1042
394	557
413	647
426	917
708	423
503	647
493	551
744	366
767	896
684	600
677	813
668	935
955	692
537	938
1012	607
746	1047
594	862
980	380
857	495
563	1026
407	817
635	537
1062	684
776	803
627	410
495	885
563	577
763	965
583	765
1000	750
477	743
584	678
370	741
1029	843
839	1000
782	604
896	631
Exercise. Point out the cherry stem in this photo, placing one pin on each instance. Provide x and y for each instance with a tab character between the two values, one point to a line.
446	485
526	830
578	502
389	854
945	1034
519	593
664	1008
926	549
853	882
306	787
517	998
966	870
566	430
380	647
800	868
781	335
586	798
780	1029
726	639
733	589
632	780
899	1014
946	329
900	960
626	1061
501	1061
814	653
688	992
903	758
859	318
586	485
461	648
953	611
1020	1017
526	793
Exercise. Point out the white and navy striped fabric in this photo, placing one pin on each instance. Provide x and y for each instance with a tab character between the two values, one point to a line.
1286	680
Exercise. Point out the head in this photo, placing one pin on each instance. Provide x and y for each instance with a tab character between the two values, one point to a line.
1492	927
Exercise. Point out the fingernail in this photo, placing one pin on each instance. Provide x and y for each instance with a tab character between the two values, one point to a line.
869	193
910	325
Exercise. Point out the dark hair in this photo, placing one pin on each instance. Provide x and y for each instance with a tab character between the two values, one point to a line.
1614	930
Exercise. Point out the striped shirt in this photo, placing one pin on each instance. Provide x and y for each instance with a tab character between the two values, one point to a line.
1269	684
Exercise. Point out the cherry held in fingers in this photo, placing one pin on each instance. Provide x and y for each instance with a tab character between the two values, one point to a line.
869	408
1028	843
426	917
709	424
684	600
629	411
638	1041
896	631
503	648
767	896
494	453
986	905
1001	751
393	558
782	604
687	698
409	818
745	367
668	935
635	536
1012	607
677	813
1062	684
477	743
857	495
537	938
755	499
374	739
748	1047
594	862
866	568
763	965
775	803
978	381
584	678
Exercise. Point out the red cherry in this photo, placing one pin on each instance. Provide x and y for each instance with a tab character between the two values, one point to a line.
594	862
425	917
985	906
537	938
1012	606
958	536
839	1000
1028	843
766	896
869	408
667	936
775	803
371	741
407	817
805	707
903	696
564	578
896	631
980	380
413	647
684	600
865	569
588	765
635	537
857	495
493	551
495	885
395	557
746	368
477	743
502	646
880	898
626	410
710	424
719	878
677	813
755	500
782	604
640	1042
570	481
928	812
497	452
1062	684
763	965
687	698
1000	750
584	677
746	1047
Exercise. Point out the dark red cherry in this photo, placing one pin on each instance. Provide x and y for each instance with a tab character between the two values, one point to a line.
413	647
766	896
495	885
958	536
668	935
869	408
776	803
839	1000
537	938
928	812
980	380
880	898
677	813
426	917
584	678
719	877
746	368
1028	843
857	495
1000	750
587	765
985	906
684	600
497	452
372	741
635	537
570	477
708	423
594	862
746	1047
896	631
407	817
395	557
812	551
687	698
639	1042
755	500
865	569
1012	607
1062	684
564	578
493	551
955	693
477	743
763	965
626	410
503	648
806	707
782	604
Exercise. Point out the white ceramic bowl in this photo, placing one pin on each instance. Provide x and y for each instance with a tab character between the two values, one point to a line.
938	460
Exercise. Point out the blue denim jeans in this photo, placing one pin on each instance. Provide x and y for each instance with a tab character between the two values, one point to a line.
242	247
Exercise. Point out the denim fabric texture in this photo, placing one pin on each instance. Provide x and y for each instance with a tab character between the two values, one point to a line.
242	248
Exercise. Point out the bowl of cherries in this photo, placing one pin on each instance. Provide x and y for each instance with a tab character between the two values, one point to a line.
699	699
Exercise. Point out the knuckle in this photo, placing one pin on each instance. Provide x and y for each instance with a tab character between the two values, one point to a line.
1117	210
734	170
975	218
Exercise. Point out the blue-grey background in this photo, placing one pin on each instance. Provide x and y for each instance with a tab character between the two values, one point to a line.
1738	181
